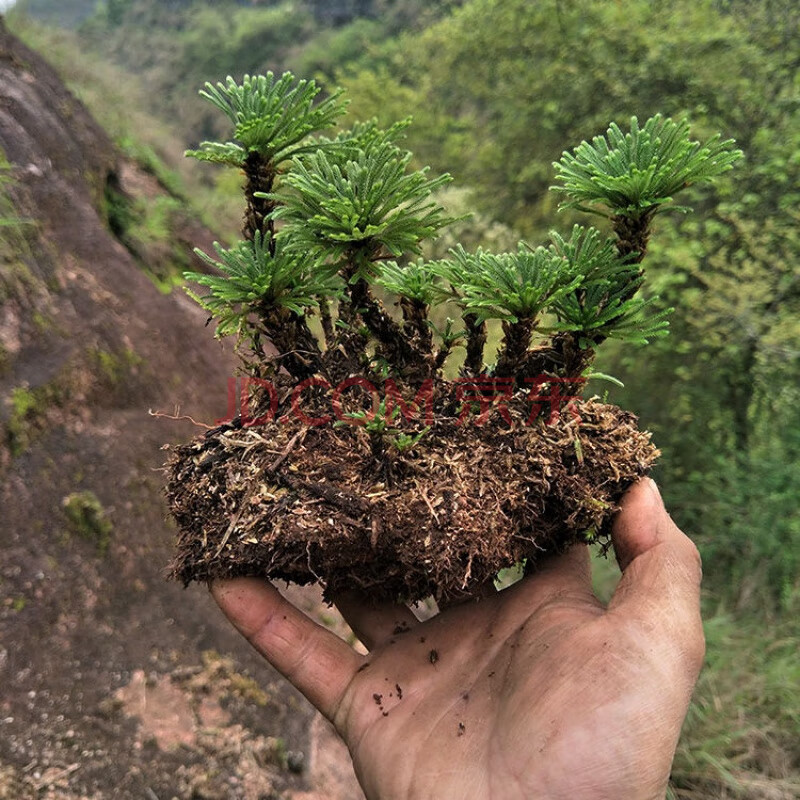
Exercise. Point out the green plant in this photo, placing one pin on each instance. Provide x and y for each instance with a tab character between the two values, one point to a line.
10	223
255	278
331	227
357	202
270	117
350	203
631	173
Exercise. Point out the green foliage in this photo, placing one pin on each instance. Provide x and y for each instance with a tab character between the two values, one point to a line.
358	199
634	172
415	281
67	13
745	713
376	421
116	10
146	226
8	216
379	422
557	70
509	286
604	305
270	117
582	280
501	85
254	278
728	412
16	279
448	334
403	442
333	48
600	310
497	90
25	404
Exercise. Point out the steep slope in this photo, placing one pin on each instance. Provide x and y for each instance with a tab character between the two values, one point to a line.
110	681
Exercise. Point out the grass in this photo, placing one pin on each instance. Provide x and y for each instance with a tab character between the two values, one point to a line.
741	739
16	279
742	735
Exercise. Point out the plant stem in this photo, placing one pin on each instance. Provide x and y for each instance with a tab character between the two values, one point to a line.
565	356
327	321
441	356
260	178
298	349
415	314
561	357
516	341
633	233
400	349
476	341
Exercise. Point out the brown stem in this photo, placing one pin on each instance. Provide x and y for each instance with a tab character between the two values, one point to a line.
298	349
516	341
476	341
410	353
416	327
442	356
385	329
633	233
562	357
260	174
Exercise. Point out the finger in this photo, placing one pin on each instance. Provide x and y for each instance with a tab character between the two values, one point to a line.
315	660
636	527
372	621
661	572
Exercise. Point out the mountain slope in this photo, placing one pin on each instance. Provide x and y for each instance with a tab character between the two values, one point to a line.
89	630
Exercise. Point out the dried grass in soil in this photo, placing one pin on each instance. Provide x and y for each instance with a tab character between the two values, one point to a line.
303	504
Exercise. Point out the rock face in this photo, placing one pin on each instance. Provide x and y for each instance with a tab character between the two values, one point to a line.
88	344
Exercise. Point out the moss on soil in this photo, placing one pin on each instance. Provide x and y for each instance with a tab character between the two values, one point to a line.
88	519
113	368
29	407
146	227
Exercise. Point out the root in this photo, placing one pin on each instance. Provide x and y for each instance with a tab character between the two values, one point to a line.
469	501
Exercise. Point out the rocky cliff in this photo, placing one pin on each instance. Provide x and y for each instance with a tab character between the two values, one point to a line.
113	683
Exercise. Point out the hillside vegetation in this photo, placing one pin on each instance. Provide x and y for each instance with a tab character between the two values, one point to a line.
496	88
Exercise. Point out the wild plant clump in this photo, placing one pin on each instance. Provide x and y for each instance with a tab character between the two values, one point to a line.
363	456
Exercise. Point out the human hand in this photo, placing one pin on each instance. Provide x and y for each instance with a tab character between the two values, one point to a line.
535	692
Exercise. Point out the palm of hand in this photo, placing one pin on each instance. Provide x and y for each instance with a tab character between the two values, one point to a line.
534	692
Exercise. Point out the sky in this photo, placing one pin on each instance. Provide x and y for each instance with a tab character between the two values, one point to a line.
6	4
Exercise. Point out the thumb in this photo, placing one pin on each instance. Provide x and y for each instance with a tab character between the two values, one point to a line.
661	572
